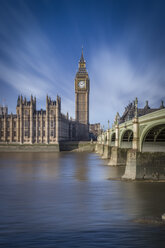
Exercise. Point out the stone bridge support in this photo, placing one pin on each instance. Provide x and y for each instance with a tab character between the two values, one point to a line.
146	165
106	152
118	156
99	149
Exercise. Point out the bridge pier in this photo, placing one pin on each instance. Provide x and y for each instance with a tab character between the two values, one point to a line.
118	156
100	149
106	152
146	165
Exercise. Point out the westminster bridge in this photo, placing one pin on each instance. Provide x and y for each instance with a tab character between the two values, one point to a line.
138	143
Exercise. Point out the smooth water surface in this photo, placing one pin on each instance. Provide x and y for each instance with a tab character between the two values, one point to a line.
66	200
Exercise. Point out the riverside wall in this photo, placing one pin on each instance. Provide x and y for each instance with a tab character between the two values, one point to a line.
74	146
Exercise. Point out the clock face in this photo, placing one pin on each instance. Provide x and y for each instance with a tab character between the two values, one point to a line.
81	84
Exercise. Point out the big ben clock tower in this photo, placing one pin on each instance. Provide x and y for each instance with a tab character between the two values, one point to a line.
82	86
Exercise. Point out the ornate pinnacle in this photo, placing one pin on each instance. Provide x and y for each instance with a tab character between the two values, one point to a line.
136	109
117	119
82	56
108	124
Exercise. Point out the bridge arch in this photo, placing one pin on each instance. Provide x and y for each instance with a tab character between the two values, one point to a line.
126	139
153	138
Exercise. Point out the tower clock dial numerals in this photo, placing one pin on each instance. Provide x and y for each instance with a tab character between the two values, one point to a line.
81	84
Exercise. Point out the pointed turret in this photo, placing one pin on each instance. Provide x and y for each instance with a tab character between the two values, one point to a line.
82	57
82	65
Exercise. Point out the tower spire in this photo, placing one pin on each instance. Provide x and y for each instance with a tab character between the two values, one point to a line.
82	56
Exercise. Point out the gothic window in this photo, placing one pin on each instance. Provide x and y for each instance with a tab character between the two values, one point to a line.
39	133
52	112
26	123
8	133
34	122
43	123
26	133
26	112
52	122
14	133
1	133
8	124
52	133
43	133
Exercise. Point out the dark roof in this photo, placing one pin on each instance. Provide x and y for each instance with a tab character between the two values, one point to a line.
129	112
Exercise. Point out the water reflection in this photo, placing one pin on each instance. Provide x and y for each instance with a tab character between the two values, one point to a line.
81	171
66	200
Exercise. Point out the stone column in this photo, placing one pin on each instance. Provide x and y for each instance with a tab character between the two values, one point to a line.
47	121
117	135
11	128
58	119
5	128
21	123
18	127
24	118
31	120
135	143
36	127
57	124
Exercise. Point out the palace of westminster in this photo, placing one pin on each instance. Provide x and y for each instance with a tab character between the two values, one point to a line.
50	126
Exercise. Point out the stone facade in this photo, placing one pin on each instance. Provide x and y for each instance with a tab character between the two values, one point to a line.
32	126
50	126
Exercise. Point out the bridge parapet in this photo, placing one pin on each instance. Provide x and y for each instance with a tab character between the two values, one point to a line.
140	127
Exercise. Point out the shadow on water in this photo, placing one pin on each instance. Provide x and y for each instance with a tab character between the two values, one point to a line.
66	200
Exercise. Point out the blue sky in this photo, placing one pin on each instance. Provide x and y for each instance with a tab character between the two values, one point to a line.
40	46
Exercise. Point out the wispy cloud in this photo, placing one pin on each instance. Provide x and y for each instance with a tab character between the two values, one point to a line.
30	64
115	80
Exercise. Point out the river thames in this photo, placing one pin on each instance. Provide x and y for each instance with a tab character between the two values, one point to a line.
67	200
